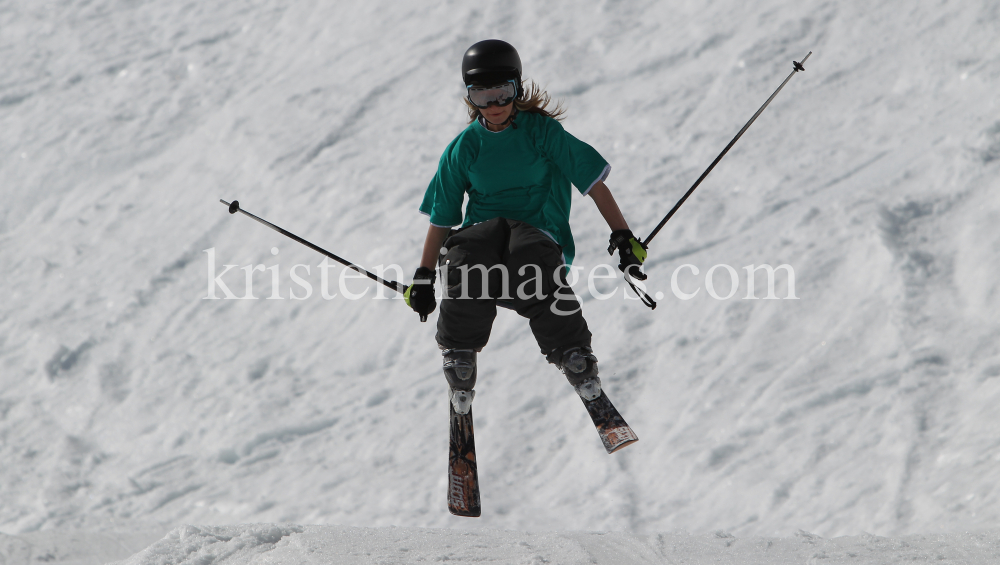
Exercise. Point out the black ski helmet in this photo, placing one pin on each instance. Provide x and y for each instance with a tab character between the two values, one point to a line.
491	62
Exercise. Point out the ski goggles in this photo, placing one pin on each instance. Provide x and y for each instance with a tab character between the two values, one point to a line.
499	95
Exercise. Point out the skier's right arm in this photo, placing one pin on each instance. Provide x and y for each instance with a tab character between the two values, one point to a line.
442	203
420	295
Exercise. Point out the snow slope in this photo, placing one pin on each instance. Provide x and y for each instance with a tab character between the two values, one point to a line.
868	405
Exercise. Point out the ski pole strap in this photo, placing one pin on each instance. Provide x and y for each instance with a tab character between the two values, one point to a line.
646	299
632	253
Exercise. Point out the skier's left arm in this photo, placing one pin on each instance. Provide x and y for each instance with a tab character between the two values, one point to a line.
586	169
631	252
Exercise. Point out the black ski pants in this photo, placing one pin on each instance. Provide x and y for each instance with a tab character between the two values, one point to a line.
520	266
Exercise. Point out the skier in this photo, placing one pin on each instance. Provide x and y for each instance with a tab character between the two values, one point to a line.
515	162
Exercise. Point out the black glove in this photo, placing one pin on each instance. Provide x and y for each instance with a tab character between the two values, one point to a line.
631	252
420	294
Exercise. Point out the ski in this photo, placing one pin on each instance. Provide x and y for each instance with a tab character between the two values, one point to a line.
614	432
463	476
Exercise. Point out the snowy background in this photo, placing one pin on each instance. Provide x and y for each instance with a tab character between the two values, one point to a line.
130	406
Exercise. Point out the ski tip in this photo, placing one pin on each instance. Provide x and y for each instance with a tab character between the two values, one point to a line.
621	446
617	438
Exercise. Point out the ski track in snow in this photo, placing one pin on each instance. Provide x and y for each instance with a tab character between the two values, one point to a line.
130	406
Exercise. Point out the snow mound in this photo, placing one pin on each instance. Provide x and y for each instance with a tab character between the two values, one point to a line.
215	544
336	545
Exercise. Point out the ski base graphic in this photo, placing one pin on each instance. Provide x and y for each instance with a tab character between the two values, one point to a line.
463	476
614	432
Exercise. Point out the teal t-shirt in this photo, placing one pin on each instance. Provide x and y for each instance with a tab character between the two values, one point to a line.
521	174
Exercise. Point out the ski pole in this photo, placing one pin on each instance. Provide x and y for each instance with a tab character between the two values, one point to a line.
235	207
646	299
796	67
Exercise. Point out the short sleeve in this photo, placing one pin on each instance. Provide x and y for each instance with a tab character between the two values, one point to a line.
578	161
446	191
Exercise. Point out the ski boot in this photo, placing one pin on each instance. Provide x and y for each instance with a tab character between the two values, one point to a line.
580	367
460	370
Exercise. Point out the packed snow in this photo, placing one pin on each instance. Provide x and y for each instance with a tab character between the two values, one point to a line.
346	545
134	409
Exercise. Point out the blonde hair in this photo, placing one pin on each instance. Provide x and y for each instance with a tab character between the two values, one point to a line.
532	99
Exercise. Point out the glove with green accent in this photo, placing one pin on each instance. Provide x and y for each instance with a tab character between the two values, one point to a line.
420	294
631	253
